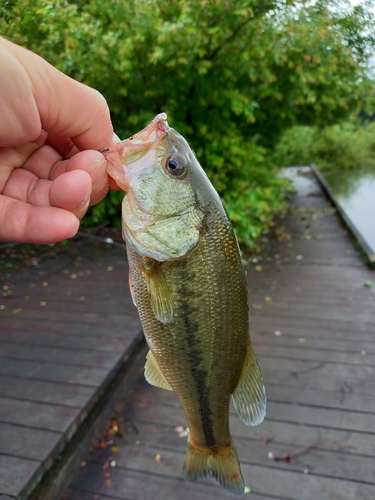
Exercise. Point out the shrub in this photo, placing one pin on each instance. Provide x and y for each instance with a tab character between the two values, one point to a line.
345	146
232	76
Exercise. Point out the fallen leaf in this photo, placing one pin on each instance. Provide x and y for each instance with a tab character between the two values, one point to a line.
157	458
368	283
184	433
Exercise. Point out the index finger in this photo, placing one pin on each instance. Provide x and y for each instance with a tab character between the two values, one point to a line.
66	107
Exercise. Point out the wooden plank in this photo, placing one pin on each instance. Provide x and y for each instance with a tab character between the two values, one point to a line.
47	306
304	311
306	380
30	414
58	372
124	326
45	391
343	399
321	324
99	342
89	357
325	344
300	486
15	473
268	327
87	316
35	444
298	366
308	353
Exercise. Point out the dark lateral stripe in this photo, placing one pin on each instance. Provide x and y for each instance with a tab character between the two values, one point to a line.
200	376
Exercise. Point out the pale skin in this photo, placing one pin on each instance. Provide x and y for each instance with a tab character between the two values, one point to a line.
51	130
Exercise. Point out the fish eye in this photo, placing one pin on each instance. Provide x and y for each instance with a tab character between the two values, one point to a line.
175	166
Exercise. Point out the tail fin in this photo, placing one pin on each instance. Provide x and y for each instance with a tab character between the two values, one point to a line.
223	465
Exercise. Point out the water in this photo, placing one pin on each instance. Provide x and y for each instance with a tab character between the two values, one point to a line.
355	193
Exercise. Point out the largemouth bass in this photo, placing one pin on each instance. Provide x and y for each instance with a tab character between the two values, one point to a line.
188	283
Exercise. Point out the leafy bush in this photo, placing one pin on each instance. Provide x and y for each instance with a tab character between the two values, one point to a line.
348	145
232	76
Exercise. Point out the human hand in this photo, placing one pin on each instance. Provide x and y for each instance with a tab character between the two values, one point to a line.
51	129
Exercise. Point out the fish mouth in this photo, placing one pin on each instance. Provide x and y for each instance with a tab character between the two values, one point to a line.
153	133
134	148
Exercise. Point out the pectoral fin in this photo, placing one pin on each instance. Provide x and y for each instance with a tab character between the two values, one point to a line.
249	396
153	374
161	302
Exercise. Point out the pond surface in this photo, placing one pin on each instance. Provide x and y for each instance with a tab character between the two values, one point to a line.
354	192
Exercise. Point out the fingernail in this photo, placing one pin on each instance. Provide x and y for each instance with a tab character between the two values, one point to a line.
99	177
116	138
84	204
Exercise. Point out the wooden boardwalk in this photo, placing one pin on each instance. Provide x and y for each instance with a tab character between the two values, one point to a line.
67	326
313	328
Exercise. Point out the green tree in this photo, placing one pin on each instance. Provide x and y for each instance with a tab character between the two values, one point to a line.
231	74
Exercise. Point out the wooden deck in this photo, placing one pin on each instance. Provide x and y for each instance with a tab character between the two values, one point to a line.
67	326
313	328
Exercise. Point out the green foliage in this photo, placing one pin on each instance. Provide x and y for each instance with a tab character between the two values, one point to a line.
345	146
295	146
232	76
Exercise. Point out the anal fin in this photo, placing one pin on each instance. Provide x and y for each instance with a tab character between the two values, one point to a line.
249	396
154	375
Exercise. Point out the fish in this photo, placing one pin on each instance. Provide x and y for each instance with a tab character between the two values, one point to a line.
188	282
